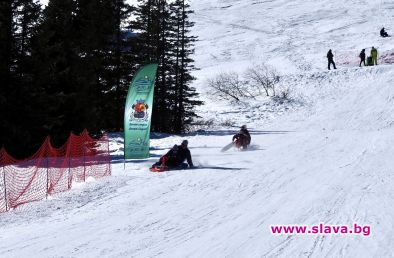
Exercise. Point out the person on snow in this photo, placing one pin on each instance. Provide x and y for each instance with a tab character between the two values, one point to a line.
184	154
383	33
169	159
362	57
374	55
330	58
175	157
242	137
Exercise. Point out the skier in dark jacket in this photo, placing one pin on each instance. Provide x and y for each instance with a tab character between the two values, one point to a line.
330	58
242	137
175	157
383	33
362	57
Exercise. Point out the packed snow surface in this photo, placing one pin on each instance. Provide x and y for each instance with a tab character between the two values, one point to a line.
325	156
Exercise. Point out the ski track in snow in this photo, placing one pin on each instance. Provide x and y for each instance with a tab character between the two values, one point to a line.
324	157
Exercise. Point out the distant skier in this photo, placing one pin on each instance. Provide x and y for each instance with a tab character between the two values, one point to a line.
362	57
374	55
383	33
175	157
330	58
242	138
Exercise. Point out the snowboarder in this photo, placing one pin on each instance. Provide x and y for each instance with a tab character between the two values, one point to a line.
383	33
374	55
330	58
362	57
175	157
242	138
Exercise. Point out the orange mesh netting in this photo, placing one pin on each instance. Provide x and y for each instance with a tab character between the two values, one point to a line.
51	170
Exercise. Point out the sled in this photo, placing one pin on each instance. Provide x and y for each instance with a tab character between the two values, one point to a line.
159	169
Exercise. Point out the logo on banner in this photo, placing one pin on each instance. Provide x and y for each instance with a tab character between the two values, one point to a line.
139	110
143	85
139	142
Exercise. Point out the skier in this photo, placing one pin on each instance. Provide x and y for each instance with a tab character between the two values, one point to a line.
383	33
330	58
362	57
374	55
175	157
242	138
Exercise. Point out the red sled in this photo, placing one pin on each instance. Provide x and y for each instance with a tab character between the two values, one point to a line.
159	169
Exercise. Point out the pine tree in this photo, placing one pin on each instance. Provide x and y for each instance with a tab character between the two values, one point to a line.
27	16
18	23
163	39
6	50
120	65
95	23
56	56
185	101
106	56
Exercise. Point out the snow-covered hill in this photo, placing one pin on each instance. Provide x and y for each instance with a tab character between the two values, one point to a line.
326	159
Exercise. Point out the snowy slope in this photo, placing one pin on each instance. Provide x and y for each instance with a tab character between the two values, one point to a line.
327	160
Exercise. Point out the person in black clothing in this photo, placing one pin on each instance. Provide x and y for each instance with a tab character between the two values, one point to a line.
242	137
169	159
184	154
383	33
330	58
362	57
175	157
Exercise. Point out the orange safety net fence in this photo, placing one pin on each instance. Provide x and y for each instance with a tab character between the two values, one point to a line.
51	170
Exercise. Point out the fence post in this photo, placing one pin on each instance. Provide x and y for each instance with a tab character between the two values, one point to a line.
68	153
69	172
84	161
47	175
5	189
109	156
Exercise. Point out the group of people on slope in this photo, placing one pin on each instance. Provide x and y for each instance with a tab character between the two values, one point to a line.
371	60
178	154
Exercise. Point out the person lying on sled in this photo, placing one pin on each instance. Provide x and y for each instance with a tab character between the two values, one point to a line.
175	158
